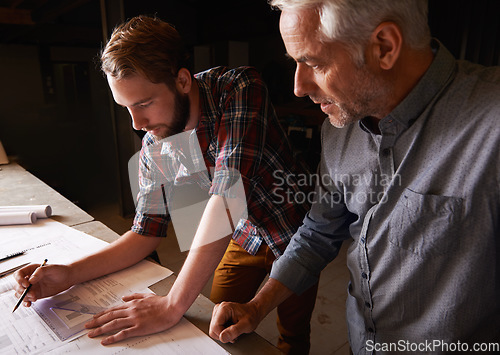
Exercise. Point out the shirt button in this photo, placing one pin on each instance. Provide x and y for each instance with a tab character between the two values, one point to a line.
364	275
370	330
386	152
367	304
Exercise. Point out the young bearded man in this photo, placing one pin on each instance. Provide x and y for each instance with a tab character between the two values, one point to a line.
228	113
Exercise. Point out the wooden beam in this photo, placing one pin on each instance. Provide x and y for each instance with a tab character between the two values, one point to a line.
15	16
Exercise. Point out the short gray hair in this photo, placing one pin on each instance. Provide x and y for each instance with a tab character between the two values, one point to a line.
351	22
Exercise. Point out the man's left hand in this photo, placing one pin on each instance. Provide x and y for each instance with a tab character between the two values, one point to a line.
141	314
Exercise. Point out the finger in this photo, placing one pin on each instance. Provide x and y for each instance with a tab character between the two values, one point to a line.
134	296
230	334
107	317
21	276
121	335
19	290
25	282
30	296
213	328
110	327
220	316
227	325
112	309
25	270
37	275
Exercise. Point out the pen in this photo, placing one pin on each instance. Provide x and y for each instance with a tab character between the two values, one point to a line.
6	272
12	255
164	197
26	290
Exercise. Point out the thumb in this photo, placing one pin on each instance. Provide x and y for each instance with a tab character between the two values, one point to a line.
230	334
36	276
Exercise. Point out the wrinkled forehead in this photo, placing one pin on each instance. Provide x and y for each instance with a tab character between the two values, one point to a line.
299	22
299	31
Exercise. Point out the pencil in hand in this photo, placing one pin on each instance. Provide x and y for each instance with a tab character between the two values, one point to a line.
20	300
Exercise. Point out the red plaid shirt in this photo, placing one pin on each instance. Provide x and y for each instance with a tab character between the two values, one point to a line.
238	131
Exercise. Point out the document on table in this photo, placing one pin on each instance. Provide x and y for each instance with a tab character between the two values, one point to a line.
23	331
46	239
67	312
182	339
51	323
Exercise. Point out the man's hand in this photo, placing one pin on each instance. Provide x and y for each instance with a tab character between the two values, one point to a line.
230	320
47	281
141	314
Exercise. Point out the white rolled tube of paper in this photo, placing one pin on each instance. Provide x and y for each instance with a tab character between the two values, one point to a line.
19	217
41	211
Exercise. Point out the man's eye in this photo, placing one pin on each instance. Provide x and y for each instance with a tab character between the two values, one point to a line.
313	66
145	105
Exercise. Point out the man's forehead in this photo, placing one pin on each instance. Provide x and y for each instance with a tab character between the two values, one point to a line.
299	30
304	19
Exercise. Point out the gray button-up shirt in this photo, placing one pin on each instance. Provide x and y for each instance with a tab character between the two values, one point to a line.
421	203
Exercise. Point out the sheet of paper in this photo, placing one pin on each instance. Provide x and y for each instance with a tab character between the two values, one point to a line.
183	339
67	312
25	331
45	239
7	283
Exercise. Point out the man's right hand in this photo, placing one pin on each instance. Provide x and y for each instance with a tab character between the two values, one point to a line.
47	281
230	320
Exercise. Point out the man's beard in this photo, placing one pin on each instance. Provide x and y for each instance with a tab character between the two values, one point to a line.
368	100
180	117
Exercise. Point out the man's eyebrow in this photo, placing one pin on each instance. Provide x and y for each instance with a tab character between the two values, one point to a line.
142	101
298	60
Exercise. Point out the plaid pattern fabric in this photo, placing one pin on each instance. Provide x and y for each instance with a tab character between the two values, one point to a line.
239	136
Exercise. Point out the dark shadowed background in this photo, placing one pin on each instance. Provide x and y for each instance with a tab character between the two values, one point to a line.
58	120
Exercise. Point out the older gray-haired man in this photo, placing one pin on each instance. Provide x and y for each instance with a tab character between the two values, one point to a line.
424	261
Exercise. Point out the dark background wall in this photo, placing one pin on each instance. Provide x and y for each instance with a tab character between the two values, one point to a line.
56	115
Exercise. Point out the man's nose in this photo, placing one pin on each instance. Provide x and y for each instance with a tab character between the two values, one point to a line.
303	85
139	121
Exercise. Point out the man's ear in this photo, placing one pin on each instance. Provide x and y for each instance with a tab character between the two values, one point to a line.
386	44
183	80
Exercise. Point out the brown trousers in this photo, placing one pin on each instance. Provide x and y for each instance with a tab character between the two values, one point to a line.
238	278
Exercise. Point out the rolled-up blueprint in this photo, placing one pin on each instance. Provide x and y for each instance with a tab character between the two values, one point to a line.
18	217
41	211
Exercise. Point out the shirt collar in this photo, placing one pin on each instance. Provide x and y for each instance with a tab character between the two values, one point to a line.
207	104
432	82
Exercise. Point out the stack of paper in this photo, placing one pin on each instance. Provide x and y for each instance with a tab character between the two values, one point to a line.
54	325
